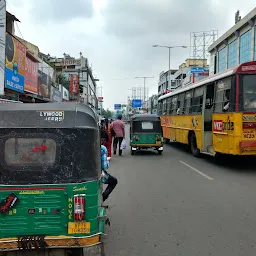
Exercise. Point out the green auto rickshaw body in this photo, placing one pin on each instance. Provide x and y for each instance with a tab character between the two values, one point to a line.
146	132
50	193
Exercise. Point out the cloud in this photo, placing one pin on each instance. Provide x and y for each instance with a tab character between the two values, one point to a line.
118	38
60	11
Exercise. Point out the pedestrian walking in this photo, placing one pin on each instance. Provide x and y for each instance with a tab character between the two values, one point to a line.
119	130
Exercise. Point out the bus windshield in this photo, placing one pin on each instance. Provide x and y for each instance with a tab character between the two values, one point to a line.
249	91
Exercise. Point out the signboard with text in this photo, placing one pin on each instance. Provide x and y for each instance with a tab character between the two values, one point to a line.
117	106
31	76
74	84
137	103
15	53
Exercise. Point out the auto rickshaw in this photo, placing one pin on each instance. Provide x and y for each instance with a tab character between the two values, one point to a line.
50	189
145	133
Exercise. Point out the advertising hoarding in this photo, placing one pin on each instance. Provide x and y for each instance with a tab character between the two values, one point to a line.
15	60
45	78
117	106
74	84
31	76
56	95
137	103
2	44
64	93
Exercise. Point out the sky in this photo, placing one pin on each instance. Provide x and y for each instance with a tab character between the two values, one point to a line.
117	36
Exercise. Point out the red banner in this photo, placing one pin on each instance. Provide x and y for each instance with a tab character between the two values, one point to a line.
74	84
31	76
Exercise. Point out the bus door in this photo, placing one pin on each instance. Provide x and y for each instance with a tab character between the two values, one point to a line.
207	117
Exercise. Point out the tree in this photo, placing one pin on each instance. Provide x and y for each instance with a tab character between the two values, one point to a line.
106	113
62	79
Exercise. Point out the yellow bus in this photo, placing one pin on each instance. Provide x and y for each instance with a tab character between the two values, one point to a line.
214	115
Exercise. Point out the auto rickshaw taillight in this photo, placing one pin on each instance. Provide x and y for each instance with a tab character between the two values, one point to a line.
137	138
158	138
79	207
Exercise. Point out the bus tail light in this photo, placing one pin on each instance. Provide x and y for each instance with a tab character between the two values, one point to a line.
249	125
79	207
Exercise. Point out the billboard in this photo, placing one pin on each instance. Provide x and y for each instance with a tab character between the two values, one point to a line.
31	76
74	84
15	53
117	106
56	95
64	93
2	44
45	78
195	70
136	103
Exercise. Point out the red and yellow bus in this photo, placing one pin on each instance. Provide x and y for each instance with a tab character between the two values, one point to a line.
214	115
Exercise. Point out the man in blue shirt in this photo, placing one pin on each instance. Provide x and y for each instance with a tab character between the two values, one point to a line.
106	178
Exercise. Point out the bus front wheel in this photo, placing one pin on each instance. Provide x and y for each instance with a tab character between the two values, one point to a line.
193	145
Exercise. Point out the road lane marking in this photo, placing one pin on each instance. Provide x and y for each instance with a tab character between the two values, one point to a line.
197	171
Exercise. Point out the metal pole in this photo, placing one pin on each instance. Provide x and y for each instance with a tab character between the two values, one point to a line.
169	68
144	92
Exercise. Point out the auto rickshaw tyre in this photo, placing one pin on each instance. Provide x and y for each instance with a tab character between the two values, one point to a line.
160	152
132	152
193	145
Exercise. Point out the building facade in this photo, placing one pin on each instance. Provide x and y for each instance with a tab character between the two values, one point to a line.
71	67
183	76
236	46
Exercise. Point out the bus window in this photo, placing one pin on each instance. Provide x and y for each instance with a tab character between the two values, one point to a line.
188	102
160	108
169	103
164	107
209	96
249	92
180	104
197	101
174	105
222	97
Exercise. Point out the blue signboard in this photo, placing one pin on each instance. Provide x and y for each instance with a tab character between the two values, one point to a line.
196	70
136	103
14	81
117	106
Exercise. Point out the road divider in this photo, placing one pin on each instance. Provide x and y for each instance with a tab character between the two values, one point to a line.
197	171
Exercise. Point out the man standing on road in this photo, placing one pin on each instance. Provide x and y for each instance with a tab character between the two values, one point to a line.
119	129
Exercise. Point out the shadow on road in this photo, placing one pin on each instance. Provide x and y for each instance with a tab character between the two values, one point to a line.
146	153
235	163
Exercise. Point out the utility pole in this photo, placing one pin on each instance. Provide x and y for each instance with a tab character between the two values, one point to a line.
144	94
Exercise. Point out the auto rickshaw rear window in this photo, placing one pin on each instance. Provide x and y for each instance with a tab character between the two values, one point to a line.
30	151
147	126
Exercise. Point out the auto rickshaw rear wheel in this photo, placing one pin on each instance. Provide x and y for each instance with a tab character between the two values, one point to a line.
160	152
132	152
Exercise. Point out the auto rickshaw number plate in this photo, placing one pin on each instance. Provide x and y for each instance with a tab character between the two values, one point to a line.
79	227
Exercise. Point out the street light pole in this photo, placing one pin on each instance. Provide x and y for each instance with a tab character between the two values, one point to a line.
169	48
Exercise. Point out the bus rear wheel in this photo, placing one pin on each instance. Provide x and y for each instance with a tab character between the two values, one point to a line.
193	145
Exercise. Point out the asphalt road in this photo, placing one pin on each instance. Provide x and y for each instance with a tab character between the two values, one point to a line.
176	204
